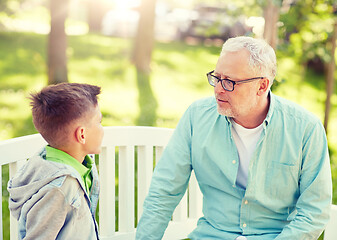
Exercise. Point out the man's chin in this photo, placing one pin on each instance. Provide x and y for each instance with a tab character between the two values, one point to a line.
225	112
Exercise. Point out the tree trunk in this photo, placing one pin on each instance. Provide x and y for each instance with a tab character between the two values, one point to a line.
142	58
57	45
271	15
330	77
96	11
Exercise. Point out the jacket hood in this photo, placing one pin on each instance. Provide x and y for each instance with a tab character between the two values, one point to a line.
35	174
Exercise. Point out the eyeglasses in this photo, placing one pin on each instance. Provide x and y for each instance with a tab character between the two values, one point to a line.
227	84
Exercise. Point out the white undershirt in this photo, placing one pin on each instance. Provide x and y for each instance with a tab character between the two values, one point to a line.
245	140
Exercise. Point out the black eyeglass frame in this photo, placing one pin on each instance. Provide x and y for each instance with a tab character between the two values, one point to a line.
210	75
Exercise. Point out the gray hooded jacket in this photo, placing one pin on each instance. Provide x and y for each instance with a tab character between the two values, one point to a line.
49	201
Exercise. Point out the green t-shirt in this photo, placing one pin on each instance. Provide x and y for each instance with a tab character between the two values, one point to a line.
84	169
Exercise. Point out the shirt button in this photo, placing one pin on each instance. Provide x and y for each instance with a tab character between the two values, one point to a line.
241	238
244	225
246	202
233	161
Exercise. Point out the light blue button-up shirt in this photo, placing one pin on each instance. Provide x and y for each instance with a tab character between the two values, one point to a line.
289	189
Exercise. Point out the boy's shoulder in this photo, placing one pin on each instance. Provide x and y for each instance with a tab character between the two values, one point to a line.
37	178
39	168
38	172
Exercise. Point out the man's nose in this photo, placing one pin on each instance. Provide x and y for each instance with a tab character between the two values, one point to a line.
218	87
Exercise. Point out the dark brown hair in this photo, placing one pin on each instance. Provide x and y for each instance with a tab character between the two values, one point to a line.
56	106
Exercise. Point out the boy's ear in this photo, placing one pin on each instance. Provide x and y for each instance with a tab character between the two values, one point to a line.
80	135
263	86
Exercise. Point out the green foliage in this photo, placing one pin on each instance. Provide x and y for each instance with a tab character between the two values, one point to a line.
264	3
246	7
22	70
9	7
307	27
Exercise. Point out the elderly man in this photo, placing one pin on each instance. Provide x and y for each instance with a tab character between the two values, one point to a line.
261	162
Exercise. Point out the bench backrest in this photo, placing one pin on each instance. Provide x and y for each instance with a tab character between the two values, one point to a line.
126	163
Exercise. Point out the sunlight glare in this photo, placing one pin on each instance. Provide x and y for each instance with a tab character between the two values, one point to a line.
257	23
124	4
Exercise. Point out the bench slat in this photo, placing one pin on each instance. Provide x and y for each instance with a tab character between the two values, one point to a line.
159	152
145	169
107	192
126	180
13	168
180	213
331	230
20	148
195	200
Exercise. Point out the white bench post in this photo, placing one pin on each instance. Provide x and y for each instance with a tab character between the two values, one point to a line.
126	187
195	200
13	168
330	232
107	192
145	169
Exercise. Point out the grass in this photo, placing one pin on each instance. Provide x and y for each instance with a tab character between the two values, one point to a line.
177	79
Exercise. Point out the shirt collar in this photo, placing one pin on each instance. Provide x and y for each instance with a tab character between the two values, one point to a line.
56	155
271	107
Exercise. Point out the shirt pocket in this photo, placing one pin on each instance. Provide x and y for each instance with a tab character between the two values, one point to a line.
282	182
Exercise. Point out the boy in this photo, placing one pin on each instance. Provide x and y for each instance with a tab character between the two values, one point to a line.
55	194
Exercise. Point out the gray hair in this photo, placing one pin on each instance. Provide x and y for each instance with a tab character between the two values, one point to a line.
262	56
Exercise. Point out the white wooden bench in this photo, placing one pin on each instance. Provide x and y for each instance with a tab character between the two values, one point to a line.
133	151
330	232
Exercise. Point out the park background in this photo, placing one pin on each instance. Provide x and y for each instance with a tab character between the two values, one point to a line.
151	56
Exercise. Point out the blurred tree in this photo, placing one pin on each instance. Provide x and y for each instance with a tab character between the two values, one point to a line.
271	13
331	66
57	45
311	29
141	58
96	11
269	9
307	26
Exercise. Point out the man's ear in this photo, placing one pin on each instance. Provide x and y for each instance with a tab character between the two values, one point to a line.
80	135
263	87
